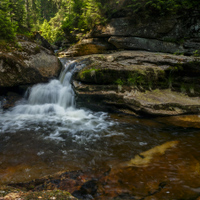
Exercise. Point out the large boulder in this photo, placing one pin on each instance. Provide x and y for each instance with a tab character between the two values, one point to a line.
29	64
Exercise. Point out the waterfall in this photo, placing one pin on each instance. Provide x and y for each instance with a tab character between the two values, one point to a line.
51	107
54	97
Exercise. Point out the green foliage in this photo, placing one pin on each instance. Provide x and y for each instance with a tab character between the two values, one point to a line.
48	9
37	49
17	11
52	30
92	15
82	15
183	88
191	88
196	53
119	81
22	16
8	29
46	30
58	18
135	79
163	7
170	80
73	16
178	53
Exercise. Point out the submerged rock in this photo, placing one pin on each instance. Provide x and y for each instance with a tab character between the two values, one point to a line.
162	174
185	121
157	173
145	158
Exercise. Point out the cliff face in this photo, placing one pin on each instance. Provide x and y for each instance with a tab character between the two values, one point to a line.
171	34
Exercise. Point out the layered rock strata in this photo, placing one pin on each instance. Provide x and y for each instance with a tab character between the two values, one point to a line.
140	82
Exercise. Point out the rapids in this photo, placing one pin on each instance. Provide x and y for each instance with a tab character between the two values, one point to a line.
52	105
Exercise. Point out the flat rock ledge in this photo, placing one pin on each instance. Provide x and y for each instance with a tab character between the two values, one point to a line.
156	102
138	82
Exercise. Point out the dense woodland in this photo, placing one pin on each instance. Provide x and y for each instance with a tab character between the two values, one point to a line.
58	18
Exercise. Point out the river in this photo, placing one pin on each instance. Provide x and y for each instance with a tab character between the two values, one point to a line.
46	132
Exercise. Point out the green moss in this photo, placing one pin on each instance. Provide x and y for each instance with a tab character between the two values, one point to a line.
37	49
170	80
119	82
177	67
88	72
136	79
196	53
183	88
191	88
178	53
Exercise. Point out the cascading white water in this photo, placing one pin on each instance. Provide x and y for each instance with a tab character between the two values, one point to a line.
54	97
51	107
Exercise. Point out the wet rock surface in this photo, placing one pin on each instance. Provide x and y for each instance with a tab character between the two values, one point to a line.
185	121
9	100
141	82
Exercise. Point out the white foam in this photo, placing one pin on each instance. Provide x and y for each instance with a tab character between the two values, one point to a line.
51	108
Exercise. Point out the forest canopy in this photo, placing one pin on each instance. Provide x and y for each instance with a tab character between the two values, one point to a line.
57	18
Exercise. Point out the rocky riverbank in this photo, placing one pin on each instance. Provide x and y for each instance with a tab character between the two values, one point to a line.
146	79
140	82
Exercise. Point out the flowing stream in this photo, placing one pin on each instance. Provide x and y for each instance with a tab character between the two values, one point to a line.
45	133
48	126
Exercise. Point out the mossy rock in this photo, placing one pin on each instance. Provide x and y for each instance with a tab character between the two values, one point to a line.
101	72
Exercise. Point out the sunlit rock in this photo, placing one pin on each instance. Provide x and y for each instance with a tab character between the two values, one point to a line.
89	46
